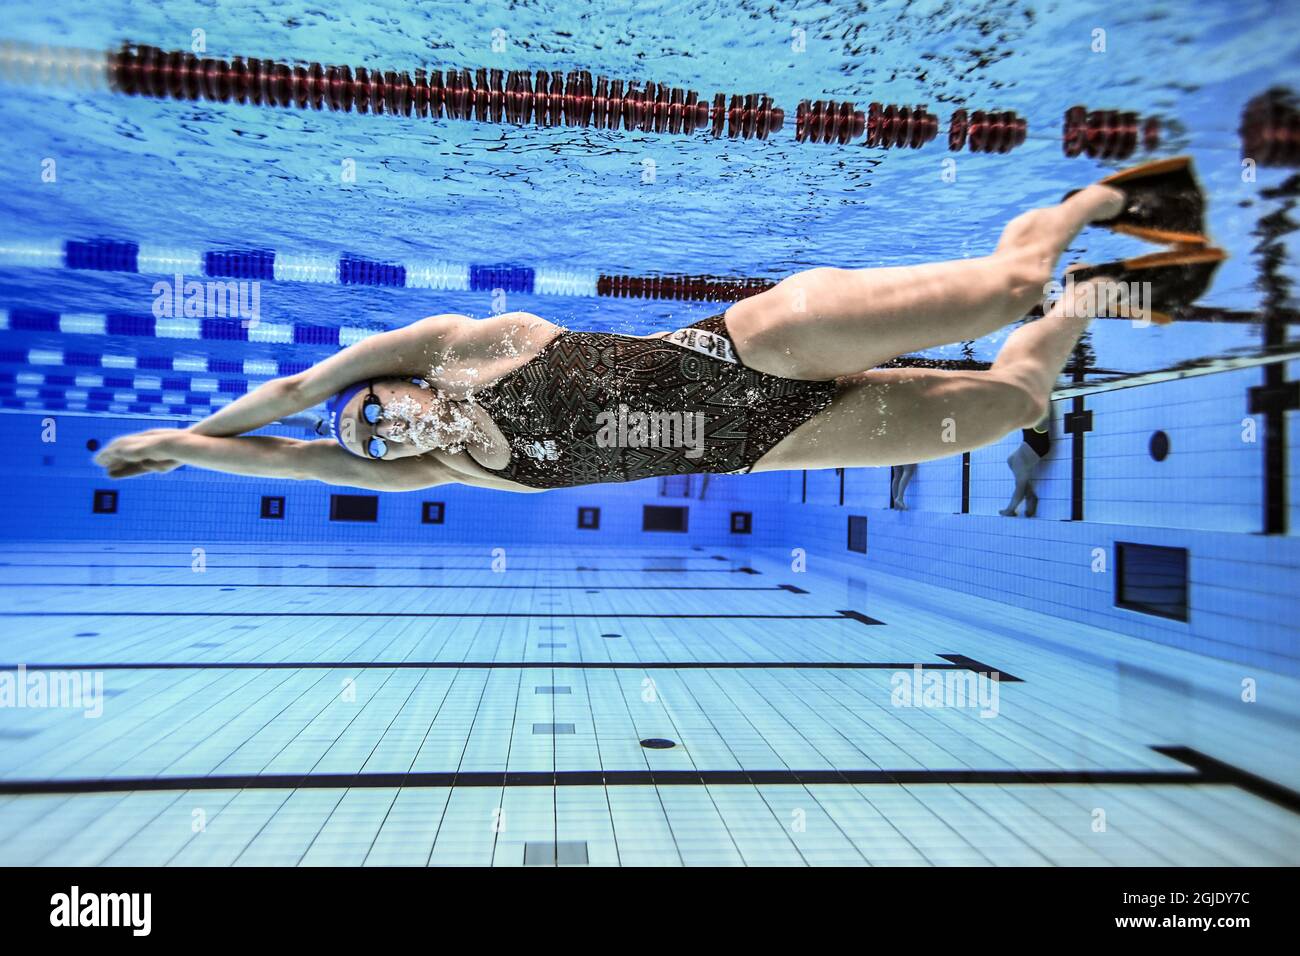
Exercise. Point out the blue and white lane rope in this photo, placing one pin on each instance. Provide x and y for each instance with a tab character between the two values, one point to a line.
50	398
144	325
71	388
47	398
259	265
201	404
9	403
114	255
187	390
253	368
176	387
179	387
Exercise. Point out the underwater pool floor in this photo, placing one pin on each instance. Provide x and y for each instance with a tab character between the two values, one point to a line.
352	705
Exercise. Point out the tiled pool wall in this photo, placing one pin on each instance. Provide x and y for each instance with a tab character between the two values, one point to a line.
50	488
1206	495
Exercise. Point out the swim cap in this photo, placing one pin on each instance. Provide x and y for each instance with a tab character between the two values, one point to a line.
335	405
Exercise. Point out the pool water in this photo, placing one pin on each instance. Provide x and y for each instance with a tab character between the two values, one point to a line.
228	176
477	678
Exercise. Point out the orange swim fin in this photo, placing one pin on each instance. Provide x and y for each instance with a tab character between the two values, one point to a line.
1159	284
1165	203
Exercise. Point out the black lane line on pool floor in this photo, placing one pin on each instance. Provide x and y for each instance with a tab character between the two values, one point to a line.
1227	773
426	587
957	661
347	552
970	664
1206	770
485	566
598	615
515	665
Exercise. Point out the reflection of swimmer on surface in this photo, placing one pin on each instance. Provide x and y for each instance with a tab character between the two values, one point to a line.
787	379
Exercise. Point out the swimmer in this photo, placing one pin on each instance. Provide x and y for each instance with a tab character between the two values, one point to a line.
787	379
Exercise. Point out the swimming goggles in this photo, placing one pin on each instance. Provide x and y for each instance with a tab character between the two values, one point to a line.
372	413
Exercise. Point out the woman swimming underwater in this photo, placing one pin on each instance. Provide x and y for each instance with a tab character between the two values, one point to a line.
787	379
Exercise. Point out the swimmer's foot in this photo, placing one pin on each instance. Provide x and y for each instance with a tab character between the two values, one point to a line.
1163	203
1031	504
1152	287
1007	512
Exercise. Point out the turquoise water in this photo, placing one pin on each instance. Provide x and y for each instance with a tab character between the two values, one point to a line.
206	175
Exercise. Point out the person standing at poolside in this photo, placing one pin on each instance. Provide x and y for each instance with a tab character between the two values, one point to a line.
1035	443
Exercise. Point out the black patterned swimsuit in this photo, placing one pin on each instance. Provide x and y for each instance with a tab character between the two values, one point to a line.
595	407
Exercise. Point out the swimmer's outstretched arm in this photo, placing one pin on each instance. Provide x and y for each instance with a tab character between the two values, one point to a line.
266	457
411	350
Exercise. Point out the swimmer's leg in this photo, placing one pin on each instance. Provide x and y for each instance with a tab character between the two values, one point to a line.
891	416
826	323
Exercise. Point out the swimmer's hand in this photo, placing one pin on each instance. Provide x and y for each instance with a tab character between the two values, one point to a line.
140	453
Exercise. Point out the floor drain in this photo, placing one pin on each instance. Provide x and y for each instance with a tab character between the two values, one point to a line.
549	729
658	743
566	852
611	635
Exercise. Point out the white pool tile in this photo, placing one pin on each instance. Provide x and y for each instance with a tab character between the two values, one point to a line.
1088	702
